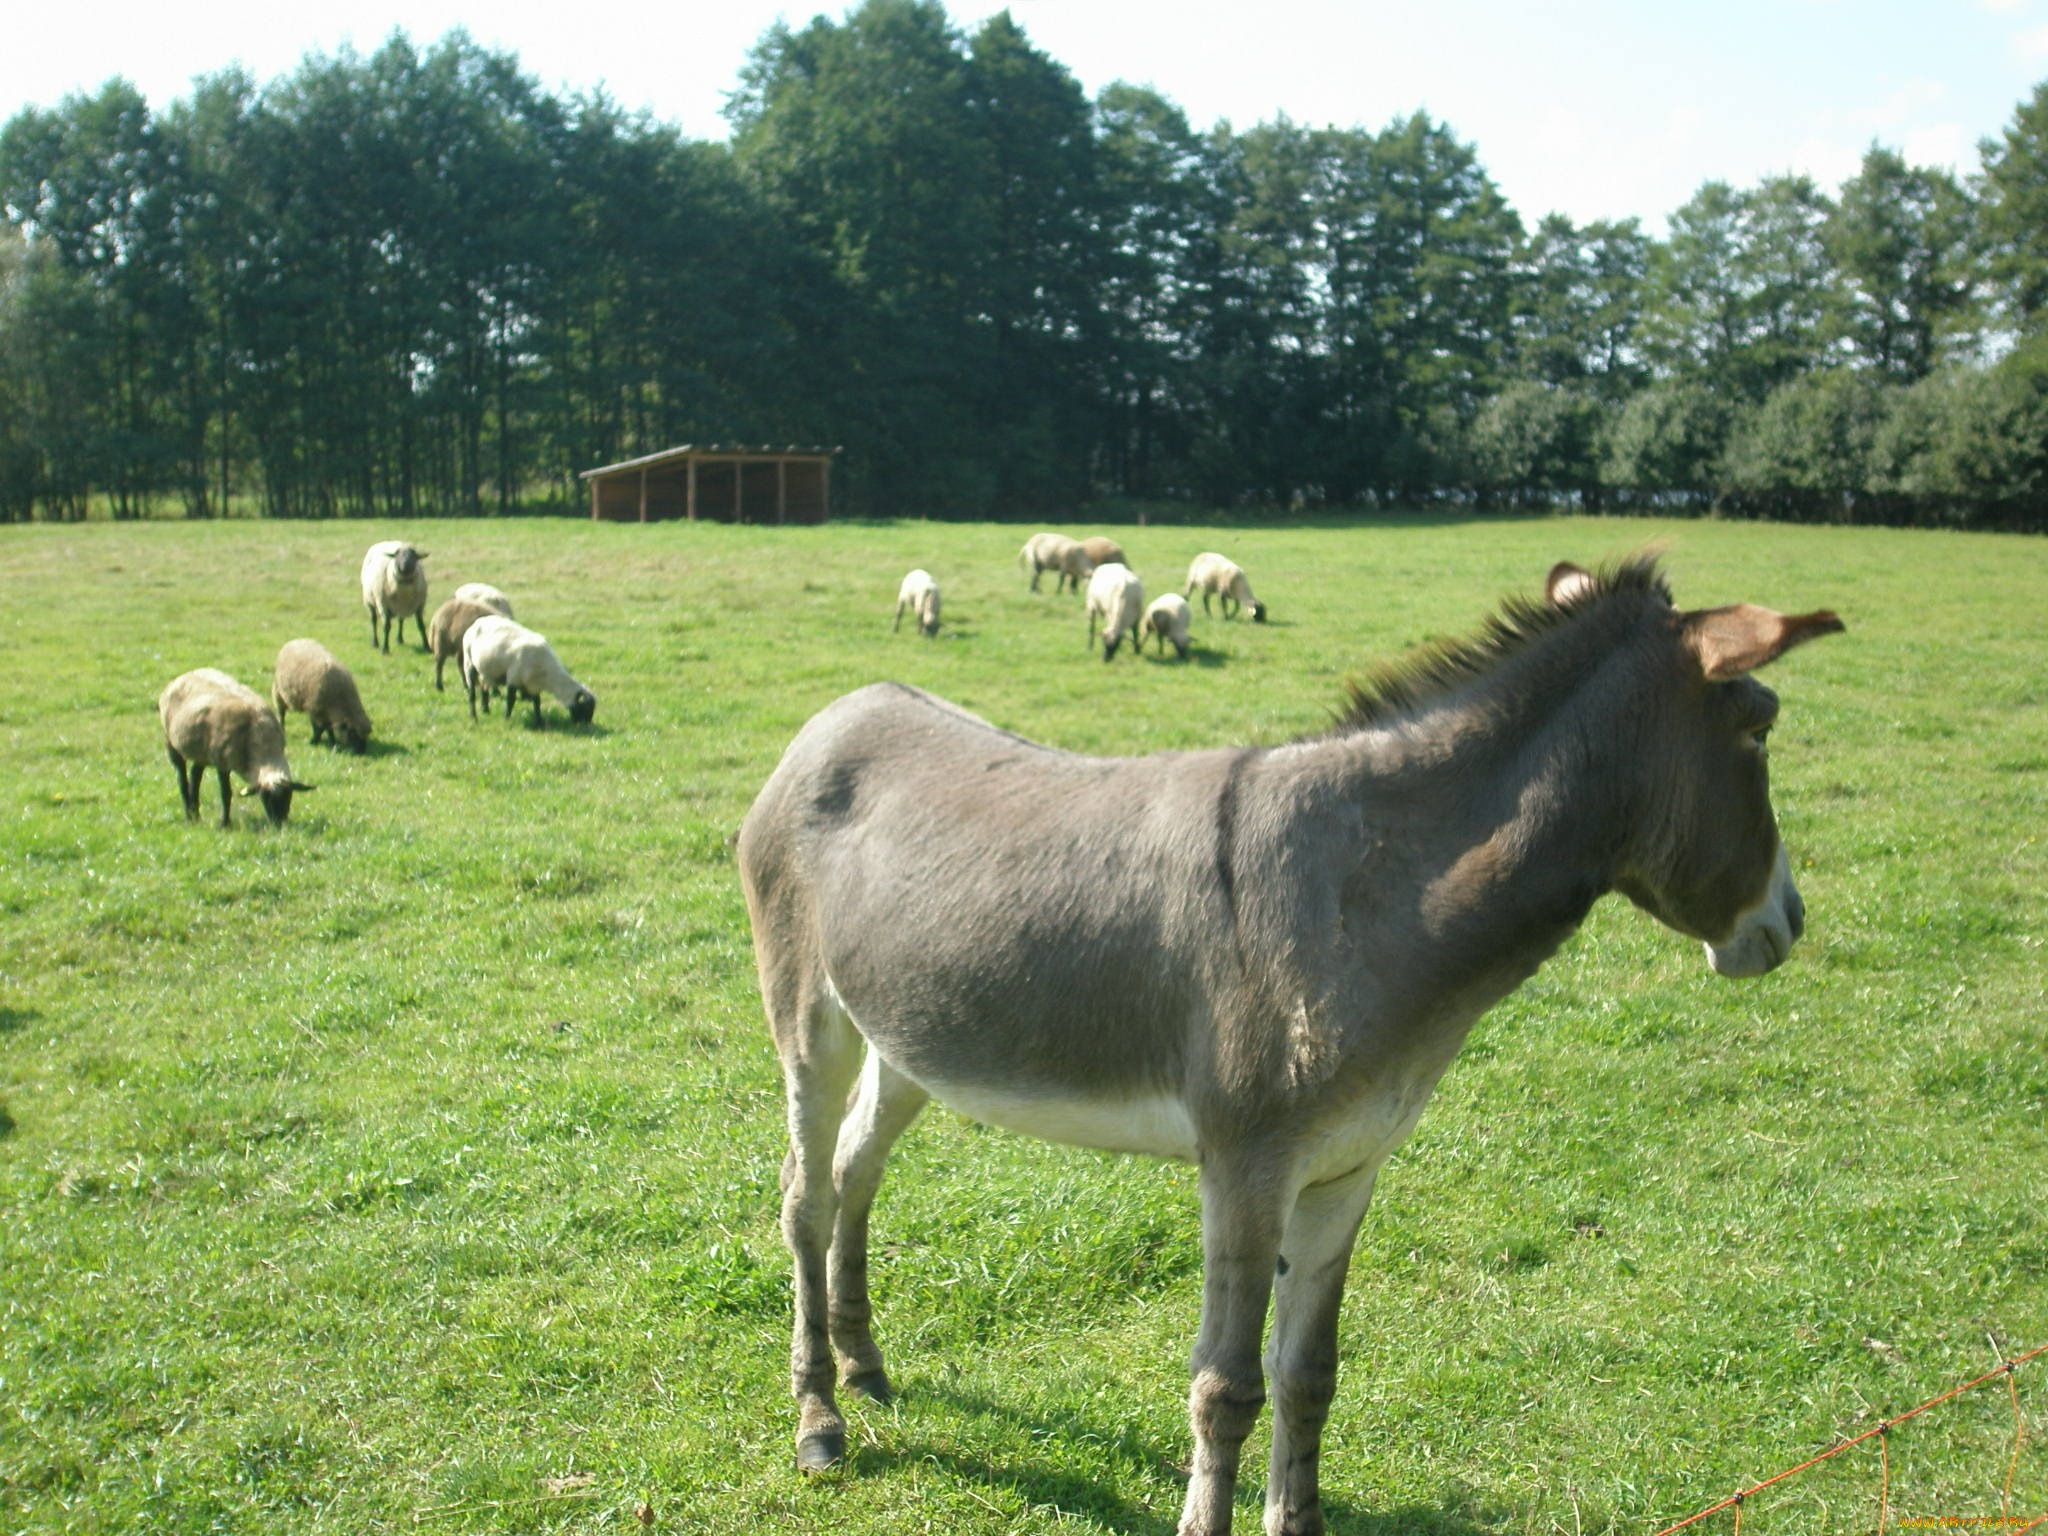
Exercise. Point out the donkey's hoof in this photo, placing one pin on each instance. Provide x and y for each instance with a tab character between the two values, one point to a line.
872	1385
821	1451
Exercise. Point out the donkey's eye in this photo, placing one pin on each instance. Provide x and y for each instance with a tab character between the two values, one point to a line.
1761	738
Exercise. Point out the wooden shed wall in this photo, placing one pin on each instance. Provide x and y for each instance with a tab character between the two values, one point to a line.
728	490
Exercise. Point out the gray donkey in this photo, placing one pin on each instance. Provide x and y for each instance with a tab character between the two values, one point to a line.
1259	960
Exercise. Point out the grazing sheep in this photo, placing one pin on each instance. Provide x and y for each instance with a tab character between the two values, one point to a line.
212	721
308	678
394	587
920	594
1104	551
1214	574
1167	618
450	623
1055	552
484	595
1116	596
496	652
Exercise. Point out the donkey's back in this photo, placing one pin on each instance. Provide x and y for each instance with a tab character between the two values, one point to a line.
986	913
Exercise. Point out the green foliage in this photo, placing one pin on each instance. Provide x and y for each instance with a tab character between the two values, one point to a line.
1537	442
2015	210
414	282
1806	449
1738	293
1902	239
1584	315
1666	443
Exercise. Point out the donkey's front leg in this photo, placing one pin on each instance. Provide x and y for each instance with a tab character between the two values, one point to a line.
1240	1240
1301	1356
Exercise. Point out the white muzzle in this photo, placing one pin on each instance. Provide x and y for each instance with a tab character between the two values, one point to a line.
1763	935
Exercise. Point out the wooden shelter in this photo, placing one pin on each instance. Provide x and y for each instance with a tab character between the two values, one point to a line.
728	485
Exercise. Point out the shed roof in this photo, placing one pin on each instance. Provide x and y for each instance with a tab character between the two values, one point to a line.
707	451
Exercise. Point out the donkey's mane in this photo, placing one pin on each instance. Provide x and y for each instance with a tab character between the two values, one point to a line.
1397	689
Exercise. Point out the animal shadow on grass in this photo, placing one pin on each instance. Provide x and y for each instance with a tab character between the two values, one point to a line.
1456	1514
556	725
12	1019
1031	1480
375	748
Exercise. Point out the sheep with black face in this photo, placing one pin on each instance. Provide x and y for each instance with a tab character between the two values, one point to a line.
498	653
395	587
309	679
212	721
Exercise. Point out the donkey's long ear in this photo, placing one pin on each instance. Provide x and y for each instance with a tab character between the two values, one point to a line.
1738	639
1567	584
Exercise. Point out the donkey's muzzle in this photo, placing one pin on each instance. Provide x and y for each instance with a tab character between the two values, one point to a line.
1765	934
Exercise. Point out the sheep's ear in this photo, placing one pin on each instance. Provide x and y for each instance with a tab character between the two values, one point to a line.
246	791
304	789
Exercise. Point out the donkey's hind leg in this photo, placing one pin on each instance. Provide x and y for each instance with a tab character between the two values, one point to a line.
820	1054
883	1105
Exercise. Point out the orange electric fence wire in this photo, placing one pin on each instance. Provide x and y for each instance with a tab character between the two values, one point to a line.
1736	1500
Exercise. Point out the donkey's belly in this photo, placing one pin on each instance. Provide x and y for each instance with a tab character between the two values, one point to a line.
1152	1123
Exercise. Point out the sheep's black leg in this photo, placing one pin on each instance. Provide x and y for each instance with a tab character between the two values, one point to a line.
373	625
226	796
421	620
536	713
188	798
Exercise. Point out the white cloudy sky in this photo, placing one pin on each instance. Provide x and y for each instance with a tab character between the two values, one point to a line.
1595	108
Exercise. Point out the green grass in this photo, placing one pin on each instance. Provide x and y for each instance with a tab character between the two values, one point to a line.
413	1167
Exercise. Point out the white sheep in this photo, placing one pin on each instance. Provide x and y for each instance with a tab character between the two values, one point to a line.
1117	597
394	587
484	595
445	630
497	652
920	594
1215	575
1055	552
212	721
308	678
1166	618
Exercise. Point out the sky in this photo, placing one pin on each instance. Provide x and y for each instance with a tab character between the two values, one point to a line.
1597	109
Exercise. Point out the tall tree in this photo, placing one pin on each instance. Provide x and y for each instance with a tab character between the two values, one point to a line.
1582	310
860	136
1738	293
1161	226
1901	240
1421	249
2015	211
1038	280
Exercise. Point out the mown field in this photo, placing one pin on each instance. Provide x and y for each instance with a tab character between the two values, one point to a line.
413	1167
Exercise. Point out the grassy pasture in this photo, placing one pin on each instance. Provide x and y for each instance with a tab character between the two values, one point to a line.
413	1167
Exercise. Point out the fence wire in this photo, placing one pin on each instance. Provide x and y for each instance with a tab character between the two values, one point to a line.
1882	1431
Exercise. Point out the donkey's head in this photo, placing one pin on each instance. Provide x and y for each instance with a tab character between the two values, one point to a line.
1708	860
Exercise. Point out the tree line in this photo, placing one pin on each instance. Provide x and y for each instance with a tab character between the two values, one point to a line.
417	283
